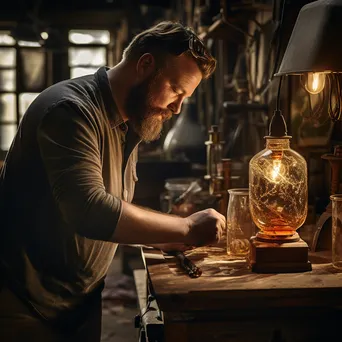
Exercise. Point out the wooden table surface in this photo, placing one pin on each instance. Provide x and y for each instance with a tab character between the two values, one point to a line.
230	284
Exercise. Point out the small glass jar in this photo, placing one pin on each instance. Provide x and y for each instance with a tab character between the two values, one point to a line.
278	190
240	226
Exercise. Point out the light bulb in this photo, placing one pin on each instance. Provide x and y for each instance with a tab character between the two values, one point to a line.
275	171
315	82
44	35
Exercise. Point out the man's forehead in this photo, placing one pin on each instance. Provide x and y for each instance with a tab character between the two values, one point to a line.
183	67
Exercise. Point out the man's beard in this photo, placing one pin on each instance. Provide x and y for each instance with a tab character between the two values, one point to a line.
144	118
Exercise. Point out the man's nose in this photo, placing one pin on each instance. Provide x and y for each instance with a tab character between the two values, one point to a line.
176	107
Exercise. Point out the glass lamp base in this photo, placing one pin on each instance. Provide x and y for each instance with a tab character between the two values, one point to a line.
277	238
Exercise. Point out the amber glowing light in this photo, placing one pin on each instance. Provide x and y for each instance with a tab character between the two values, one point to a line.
278	189
315	82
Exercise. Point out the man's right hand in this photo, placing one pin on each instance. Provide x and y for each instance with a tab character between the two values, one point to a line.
205	227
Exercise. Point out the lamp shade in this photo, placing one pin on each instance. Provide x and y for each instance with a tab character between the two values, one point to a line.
315	43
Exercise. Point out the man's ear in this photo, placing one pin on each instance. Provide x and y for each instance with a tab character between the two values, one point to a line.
145	65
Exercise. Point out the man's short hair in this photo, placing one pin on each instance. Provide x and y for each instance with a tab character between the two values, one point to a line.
173	38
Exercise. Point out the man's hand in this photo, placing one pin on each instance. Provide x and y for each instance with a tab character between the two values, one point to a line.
205	227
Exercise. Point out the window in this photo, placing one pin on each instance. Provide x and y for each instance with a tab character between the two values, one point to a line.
22	77
88	51
23	72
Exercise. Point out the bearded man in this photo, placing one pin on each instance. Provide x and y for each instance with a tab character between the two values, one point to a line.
69	177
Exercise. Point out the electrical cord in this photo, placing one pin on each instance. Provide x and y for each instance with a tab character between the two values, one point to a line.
280	28
278	94
278	127
276	37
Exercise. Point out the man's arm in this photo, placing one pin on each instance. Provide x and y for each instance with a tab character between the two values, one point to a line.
68	141
137	225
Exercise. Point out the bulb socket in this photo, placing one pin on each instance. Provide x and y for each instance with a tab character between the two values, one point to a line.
277	127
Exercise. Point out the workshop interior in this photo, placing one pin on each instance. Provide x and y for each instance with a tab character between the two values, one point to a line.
260	141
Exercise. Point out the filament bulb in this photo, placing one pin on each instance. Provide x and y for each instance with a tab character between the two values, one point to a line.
315	82
276	171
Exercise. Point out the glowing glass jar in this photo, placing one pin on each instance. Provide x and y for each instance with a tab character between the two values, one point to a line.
278	190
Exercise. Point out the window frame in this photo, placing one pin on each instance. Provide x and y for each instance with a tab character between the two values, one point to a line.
94	46
19	87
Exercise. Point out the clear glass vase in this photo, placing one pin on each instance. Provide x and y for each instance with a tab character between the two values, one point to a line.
278	190
240	226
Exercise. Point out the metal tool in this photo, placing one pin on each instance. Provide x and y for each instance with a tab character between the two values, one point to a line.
188	266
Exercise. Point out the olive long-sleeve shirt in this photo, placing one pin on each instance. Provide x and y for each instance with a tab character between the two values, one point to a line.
72	161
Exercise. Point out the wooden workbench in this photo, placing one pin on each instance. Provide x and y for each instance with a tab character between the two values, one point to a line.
230	303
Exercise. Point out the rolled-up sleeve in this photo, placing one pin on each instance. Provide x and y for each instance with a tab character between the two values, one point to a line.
69	142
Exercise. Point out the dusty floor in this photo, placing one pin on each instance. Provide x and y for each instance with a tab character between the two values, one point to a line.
119	306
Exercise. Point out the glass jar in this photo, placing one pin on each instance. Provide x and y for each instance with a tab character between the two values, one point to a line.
240	226
278	190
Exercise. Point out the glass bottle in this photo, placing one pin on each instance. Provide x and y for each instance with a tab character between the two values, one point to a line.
240	226
214	153
214	160
278	190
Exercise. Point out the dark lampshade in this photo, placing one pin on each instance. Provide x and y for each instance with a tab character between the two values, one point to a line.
315	44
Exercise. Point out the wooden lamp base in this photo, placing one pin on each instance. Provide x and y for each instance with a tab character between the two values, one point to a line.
279	257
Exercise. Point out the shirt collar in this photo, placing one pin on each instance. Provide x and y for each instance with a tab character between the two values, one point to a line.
112	110
114	116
